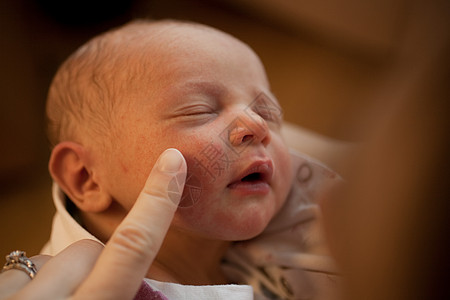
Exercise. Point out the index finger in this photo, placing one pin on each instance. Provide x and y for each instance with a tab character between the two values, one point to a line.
135	243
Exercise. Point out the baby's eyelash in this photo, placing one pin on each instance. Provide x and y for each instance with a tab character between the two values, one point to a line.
198	112
194	115
195	110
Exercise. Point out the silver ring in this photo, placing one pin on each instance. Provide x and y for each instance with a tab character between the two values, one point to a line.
18	260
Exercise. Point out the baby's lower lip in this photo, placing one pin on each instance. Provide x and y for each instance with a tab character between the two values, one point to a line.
244	188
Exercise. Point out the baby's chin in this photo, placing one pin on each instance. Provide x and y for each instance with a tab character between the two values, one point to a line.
227	226
243	234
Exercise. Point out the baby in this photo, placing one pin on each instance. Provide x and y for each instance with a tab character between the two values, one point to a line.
123	98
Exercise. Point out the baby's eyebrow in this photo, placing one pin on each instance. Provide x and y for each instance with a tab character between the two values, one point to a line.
209	87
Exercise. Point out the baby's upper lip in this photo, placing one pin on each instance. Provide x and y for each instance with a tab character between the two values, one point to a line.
263	167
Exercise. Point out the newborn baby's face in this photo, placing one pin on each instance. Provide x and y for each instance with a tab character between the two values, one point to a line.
212	102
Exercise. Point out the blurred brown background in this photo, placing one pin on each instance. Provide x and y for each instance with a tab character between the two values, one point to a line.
330	62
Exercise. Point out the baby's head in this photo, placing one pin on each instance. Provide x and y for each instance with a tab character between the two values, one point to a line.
124	97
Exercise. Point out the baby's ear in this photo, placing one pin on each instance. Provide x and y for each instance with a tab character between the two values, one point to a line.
70	167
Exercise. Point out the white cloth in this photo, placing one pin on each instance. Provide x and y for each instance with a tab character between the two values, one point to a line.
202	292
289	260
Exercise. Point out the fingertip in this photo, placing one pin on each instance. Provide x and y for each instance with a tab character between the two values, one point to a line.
171	160
176	150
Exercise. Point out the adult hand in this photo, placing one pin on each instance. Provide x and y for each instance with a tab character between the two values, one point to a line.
87	270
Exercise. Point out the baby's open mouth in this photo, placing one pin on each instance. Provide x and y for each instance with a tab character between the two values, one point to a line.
259	174
253	177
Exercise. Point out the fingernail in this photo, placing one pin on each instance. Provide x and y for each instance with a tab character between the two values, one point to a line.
170	161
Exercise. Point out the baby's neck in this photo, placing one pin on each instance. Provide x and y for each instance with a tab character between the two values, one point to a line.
189	260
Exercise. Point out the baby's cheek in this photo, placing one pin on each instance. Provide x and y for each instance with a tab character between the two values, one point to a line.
201	219
207	168
192	191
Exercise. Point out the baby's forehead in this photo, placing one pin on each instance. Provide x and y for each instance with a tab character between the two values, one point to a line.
140	47
152	50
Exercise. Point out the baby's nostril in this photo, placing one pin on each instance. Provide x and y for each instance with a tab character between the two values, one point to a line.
247	138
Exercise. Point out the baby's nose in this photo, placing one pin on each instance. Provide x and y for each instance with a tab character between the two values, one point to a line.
249	128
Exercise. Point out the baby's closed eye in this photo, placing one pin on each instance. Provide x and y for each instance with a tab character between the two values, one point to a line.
197	110
195	114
